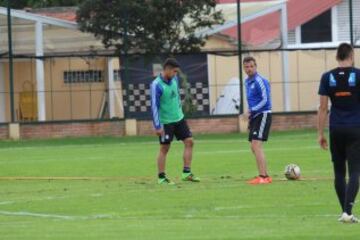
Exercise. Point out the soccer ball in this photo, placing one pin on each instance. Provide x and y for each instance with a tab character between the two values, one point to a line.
292	172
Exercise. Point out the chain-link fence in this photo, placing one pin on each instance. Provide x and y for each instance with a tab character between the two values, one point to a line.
90	86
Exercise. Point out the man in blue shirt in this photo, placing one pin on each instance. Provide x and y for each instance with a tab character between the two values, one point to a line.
259	105
342	87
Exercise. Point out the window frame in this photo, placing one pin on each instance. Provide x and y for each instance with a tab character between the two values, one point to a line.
334	34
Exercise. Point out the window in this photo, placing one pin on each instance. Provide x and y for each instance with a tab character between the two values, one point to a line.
117	76
318	29
89	76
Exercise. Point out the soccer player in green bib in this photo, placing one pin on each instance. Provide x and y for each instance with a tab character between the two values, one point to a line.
168	120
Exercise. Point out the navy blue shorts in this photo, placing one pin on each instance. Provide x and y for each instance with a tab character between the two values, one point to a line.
345	146
179	129
259	127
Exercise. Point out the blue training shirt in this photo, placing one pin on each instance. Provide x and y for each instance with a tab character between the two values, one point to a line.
156	91
258	95
342	86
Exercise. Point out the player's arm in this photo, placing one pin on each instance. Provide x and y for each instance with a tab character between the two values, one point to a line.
322	116
156	93
261	85
322	113
177	79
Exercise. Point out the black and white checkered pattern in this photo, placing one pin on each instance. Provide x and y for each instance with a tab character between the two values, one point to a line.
137	100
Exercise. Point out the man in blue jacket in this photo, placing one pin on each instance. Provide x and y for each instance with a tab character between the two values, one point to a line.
259	104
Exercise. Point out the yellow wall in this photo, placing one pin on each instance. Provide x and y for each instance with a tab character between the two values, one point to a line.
221	70
218	43
73	101
64	101
305	68
83	100
24	72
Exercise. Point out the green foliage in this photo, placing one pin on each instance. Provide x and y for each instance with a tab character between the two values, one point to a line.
150	26
20	4
188	106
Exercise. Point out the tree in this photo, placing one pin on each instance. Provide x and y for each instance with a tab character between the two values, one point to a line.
20	4
149	26
152	27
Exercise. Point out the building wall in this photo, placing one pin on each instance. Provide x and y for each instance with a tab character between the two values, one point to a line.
64	101
292	37
305	69
76	100
342	19
218	43
83	100
79	129
228	124
281	122
4	131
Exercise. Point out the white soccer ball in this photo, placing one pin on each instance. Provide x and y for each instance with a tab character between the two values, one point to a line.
292	172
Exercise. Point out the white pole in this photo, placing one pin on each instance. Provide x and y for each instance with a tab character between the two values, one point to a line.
40	72
2	91
2	94
285	59
111	87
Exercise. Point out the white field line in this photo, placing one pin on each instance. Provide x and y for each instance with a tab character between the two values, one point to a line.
261	216
130	187
154	143
7	202
55	216
265	149
107	216
283	206
50	198
44	158
20	200
131	156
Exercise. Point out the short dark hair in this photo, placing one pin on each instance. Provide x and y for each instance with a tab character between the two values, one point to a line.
171	62
344	51
249	59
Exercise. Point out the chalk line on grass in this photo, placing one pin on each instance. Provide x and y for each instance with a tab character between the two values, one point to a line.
54	216
134	156
139	179
108	216
153	143
225	208
7	202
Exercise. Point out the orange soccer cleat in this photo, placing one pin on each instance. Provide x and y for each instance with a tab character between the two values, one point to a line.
260	180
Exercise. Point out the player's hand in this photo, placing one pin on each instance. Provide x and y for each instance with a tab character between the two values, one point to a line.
246	115
159	132
249	114
323	142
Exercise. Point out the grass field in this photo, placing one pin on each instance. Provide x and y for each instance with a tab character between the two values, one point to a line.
105	188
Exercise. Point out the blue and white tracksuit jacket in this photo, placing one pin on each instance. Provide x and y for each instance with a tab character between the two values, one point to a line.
258	95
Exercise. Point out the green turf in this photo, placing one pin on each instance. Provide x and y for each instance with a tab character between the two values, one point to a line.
119	197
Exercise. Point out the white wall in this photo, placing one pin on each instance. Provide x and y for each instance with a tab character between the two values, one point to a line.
342	18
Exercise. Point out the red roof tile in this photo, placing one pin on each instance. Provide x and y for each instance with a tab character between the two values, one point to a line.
258	31
267	28
69	16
